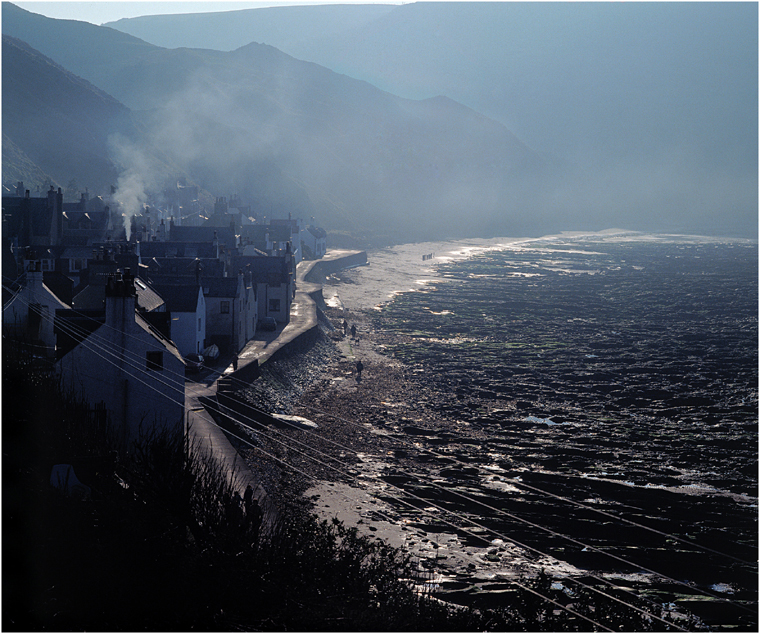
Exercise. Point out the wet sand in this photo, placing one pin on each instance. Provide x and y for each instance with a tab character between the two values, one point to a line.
458	442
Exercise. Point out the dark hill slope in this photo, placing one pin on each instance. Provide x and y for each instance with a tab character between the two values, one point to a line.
59	126
292	136
59	121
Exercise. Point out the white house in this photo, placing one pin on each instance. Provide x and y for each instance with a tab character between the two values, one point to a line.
315	241
30	314
187	306
225	312
127	365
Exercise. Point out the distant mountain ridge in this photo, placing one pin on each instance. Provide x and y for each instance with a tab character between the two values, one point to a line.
293	137
654	105
59	127
658	115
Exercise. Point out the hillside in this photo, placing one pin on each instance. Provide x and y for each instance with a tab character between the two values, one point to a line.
54	119
60	127
654	105
291	136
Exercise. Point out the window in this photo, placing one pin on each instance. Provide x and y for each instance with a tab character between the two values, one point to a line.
154	361
199	324
224	307
274	305
77	264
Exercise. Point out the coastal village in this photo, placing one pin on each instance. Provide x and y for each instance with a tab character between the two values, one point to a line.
130	310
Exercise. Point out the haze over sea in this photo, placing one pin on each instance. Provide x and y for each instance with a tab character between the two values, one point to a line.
592	396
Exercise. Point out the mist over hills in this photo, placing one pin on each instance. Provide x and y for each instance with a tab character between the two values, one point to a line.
654	104
292	136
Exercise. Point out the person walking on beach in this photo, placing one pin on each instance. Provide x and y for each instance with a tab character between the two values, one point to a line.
345	327
353	331
359	368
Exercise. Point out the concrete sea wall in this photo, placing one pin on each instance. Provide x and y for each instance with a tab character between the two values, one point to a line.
219	401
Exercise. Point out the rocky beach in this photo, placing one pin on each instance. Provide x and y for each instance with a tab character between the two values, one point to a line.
580	404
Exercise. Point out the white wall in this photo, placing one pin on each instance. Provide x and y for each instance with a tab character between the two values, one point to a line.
110	366
184	328
16	313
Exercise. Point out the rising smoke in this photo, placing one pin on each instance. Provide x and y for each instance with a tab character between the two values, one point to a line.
137	178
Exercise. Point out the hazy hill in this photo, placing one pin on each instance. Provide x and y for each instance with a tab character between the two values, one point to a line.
654	104
54	120
292	136
60	127
278	26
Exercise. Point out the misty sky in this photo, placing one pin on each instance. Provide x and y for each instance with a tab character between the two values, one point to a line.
102	11
649	108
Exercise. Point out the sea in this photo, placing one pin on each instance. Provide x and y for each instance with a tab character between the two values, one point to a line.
597	403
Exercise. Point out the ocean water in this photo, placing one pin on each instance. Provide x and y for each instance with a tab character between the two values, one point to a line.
592	397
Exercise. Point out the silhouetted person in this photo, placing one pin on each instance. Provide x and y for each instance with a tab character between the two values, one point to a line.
359	368
353	330
247	499
255	515
345	327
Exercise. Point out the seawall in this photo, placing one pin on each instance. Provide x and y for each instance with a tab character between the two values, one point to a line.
209	406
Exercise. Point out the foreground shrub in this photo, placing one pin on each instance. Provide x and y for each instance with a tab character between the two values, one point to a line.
157	546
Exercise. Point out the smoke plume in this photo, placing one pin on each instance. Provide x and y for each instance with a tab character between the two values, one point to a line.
137	179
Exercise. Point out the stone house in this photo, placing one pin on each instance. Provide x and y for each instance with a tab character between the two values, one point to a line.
292	228
226	312
273	277
128	366
30	314
187	306
35	221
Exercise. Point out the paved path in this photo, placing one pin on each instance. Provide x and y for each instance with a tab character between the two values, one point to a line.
203	433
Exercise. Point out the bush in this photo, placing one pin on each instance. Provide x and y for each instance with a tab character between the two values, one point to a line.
160	546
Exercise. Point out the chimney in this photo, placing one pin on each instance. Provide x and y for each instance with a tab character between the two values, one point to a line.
120	301
198	269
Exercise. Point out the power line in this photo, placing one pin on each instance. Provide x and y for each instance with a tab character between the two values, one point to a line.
446	510
92	346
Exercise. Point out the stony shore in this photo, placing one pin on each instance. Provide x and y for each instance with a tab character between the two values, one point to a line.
442	428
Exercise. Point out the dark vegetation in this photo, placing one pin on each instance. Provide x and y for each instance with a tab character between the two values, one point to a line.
153	545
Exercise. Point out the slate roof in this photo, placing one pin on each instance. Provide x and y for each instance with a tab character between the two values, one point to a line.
272	269
74	326
167	343
202	234
91	297
254	233
147	298
179	249
280	233
220	287
179	298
